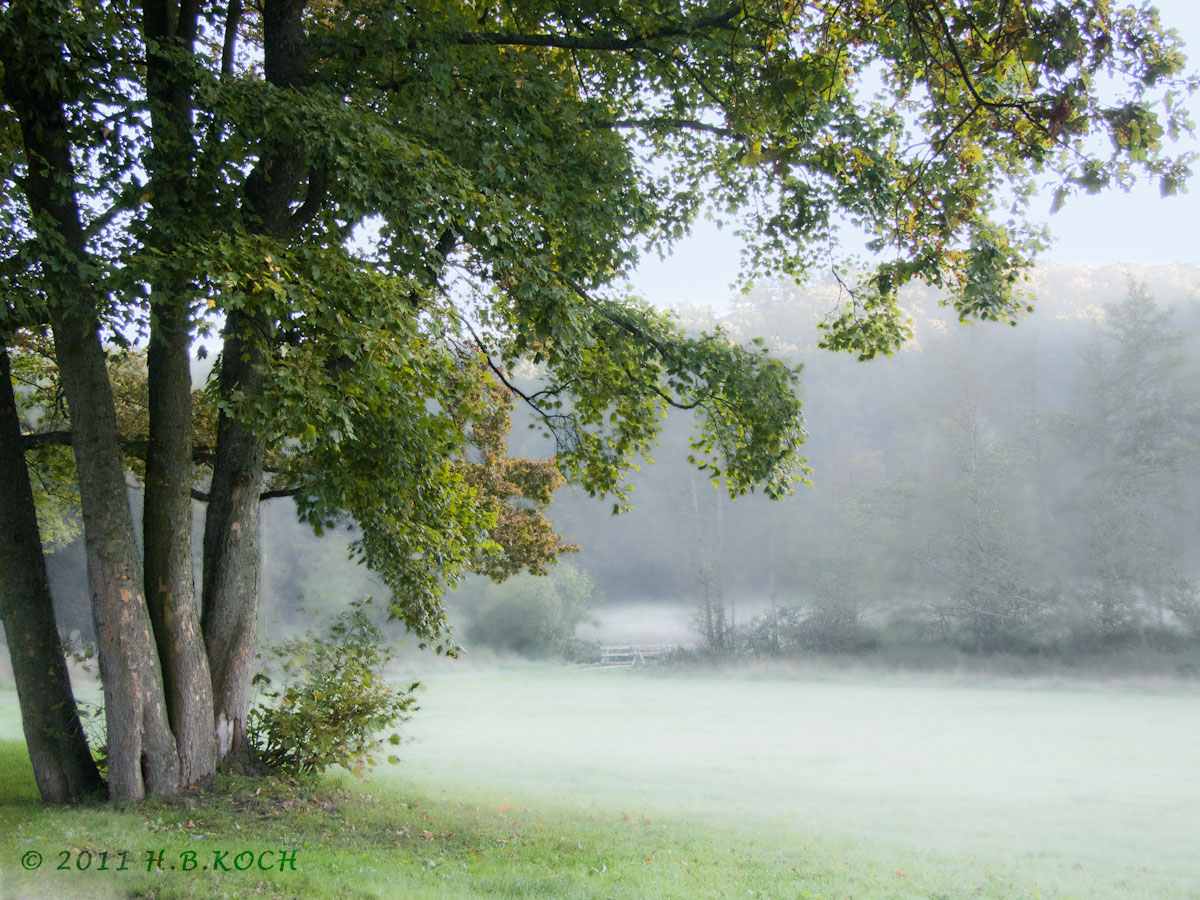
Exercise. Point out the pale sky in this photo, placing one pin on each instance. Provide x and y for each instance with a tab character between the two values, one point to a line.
1138	227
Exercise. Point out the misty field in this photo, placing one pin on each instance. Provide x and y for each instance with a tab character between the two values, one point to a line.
549	781
1087	789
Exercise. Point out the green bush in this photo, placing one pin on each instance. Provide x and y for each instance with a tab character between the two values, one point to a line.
333	702
533	616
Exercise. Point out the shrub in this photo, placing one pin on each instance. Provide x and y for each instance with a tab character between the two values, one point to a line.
824	627
333	702
534	616
95	732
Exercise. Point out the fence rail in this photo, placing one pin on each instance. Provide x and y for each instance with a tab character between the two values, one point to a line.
623	656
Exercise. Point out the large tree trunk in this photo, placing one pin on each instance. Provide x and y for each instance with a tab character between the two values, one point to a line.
142	756
141	748
62	766
231	539
231	546
167	522
167	538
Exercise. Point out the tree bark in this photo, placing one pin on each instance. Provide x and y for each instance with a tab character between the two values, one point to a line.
142	756
141	748
167	539
231	538
231	546
167	521
62	765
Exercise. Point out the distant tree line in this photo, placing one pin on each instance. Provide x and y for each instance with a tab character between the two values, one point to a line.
1026	492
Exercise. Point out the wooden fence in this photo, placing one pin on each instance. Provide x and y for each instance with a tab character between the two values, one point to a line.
624	656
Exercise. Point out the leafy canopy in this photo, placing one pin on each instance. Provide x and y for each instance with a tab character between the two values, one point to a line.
469	183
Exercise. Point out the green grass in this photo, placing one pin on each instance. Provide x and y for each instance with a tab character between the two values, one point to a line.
544	783
385	840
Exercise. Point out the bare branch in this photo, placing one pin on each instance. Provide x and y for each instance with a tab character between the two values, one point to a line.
604	42
276	493
133	446
46	438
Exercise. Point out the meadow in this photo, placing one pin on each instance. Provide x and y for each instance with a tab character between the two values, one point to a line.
522	781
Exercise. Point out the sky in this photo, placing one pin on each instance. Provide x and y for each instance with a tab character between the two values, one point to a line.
1138	227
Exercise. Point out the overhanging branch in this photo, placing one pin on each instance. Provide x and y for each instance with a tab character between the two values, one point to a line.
277	493
273	494
132	446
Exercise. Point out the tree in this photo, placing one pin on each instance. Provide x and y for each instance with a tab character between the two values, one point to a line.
983	554
62	763
367	196
512	494
1141	433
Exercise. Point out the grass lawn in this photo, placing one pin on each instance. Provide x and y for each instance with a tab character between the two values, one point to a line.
365	839
521	785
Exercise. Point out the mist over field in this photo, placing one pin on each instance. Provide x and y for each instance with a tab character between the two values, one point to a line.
1084	789
904	704
1049	462
969	646
604	451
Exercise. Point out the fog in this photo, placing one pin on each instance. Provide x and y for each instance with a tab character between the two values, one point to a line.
1086	789
975	636
1053	756
1027	490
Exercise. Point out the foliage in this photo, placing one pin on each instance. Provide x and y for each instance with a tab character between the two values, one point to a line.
516	491
531	616
45	420
823	626
507	496
462	180
332	701
91	717
40	406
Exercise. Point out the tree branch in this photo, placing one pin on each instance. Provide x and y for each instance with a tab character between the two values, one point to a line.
667	123
318	182
548	418
203	497
961	65
46	438
132	446
1020	106
639	334
604	41
276	493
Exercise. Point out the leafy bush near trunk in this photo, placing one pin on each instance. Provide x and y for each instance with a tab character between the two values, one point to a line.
333	702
